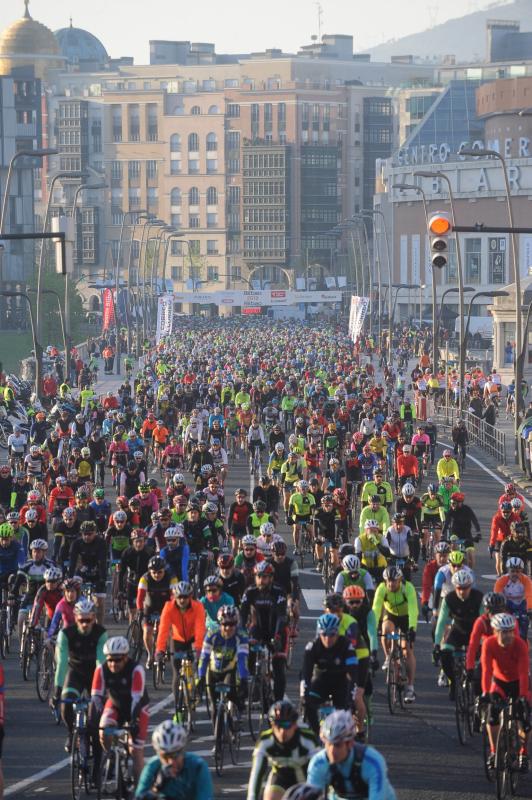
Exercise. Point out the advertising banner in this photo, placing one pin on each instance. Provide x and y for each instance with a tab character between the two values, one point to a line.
108	316
357	315
259	297
165	316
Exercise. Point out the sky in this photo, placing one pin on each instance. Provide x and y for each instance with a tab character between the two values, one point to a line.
236	26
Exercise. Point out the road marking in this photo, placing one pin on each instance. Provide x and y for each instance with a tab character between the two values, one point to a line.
59	765
491	577
313	598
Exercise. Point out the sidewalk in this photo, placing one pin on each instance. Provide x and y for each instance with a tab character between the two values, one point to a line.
111	383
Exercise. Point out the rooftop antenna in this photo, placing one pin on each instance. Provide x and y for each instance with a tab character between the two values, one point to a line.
320	18
433	15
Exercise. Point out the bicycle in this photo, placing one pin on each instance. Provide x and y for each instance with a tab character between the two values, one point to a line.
116	771
81	755
134	637
7	623
396	679
464	704
226	728
507	751
306	546
30	644
255	463
118	599
430	539
44	673
292	637
185	699
260	690
159	666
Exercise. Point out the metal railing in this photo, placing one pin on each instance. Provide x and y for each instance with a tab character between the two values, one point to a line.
486	437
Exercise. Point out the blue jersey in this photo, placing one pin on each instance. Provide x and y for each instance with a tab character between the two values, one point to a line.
11	558
177	559
212	607
363	774
194	780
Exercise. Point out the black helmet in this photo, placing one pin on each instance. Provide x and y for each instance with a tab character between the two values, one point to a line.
494	602
334	601
132	465
398	517
282	711
156	563
87	527
392	574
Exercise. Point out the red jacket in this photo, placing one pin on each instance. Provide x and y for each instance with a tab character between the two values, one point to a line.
500	527
427	581
407	465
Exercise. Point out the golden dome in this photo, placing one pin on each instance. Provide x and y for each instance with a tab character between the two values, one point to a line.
26	36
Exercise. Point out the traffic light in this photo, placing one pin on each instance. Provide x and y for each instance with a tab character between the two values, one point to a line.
439	229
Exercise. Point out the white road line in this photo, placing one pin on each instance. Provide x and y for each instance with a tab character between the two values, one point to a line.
313	598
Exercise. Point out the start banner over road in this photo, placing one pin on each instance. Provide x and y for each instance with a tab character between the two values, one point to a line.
260	297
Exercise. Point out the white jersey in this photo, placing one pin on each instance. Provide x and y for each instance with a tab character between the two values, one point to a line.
17	443
219	457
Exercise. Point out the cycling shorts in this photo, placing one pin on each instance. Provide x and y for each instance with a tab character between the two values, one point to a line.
281	779
400	622
113	717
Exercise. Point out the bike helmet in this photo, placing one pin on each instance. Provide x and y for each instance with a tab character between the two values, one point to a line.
38	544
458	497
6	531
88	527
249	540
193	505
212	581
516	504
456	558
303	486
279	447
99	494
303	791
353	592
462	579
32	515
442	547
432	488
116	646
34	496
156	564
398	517
283	712
408	490
120	516
138	533
263	568
338	727
209	508
13	516
53	574
351	563
509	488
73	583
515	563
392	573
183	588
225	560
259	505
333	601
447	453
279	547
506	506
144	488
34	450
503	622
85	452
82	493
228	614
267	529
169	737
375	498
206	469
327	625
84	606
494	602
371	523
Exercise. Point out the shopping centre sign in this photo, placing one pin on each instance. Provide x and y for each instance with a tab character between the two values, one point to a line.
441	153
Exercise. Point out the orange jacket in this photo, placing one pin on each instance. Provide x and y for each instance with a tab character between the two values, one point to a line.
407	465
187	626
524	579
147	428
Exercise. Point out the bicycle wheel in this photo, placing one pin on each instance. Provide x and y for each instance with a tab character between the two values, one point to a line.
391	684
77	772
27	658
502	761
43	674
115	602
233	726
460	710
255	706
3	638
107	783
134	637
4	434
183	707
489	773
291	647
219	739
401	679
469	694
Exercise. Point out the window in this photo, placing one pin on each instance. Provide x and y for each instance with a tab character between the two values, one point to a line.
177	273
194	247
305	115
175	143
116	170
212	273
497	259
151	169
214	110
473	260
315	117
193	196
212	165
281	116
255	112
236	273
153	195
326	117
175	219
193	143
212	220
212	247
116	216
193	166
193	221
195	111
133	169
175	166
233	110
175	197
212	142
176	247
268	115
212	196
135	248
232	140
451	263
233	195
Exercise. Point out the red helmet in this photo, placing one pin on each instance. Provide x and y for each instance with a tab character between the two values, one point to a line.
459	497
339	495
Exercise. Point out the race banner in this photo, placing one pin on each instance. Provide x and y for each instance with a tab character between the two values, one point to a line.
108	316
357	315
258	297
165	316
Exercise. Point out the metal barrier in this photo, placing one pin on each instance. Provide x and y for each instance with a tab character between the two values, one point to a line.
487	437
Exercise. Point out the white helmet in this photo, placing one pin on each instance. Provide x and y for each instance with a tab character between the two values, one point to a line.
279	447
53	574
178	477
515	563
338	727
84	606
351	563
503	622
168	737
408	490
249	540
371	523
116	646
462	578
267	529
38	544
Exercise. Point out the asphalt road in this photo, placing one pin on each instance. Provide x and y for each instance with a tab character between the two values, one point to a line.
425	759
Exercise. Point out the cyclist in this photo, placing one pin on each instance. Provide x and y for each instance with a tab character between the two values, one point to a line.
31	575
255	440
172	773
517	590
233	581
264	610
285	749
300	508
118	534
518	544
505	665
329	670
400	541
447	488
123	682
460	439
459	521
462	606
286	575
494	603
47	597
224	658
447	467
378	486
257	518
88	559
359	608
239	511
200	540
441	555
396	600
354	575
346	768
375	511
64	611
176	551
407	467
79	649
11	553
291	473
372	550
154	590
213	599
432	516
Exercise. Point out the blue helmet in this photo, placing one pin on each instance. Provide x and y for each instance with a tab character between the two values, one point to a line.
328	624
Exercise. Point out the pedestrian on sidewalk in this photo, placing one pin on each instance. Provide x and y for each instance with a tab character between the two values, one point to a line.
109	357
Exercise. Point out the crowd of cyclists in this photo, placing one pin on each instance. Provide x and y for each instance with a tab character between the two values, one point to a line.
114	507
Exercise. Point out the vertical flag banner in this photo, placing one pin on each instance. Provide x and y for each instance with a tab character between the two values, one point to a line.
165	316
108	316
357	315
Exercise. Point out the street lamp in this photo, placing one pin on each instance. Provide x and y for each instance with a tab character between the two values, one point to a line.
389	264
442	176
40	153
37	349
361	217
398	287
140	214
494	293
451	290
62	317
517	278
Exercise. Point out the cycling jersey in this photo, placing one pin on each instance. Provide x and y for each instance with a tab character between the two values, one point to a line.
152	595
302	504
222	655
398	604
292	757
193	781
361	776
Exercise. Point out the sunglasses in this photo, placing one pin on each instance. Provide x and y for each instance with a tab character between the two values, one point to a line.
183	597
283	724
85	621
116	659
156	571
354	602
211	589
228	625
171	756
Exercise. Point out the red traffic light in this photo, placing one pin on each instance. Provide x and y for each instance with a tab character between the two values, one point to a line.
440	224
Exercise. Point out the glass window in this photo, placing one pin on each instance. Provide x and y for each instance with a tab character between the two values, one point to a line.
175	143
193	143
175	197
212	220
193	221
212	273
473	260
212	247
497	259
212	196
177	272
233	110
193	196
151	169
195	111
212	142
193	165
176	247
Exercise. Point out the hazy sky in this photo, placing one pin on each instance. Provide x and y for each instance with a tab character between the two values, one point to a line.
125	26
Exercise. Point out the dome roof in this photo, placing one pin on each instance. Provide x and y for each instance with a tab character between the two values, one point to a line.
26	37
78	45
